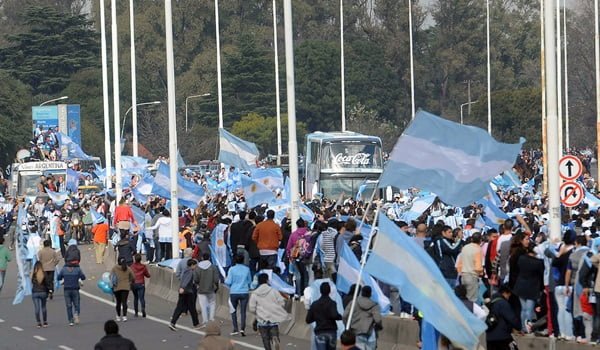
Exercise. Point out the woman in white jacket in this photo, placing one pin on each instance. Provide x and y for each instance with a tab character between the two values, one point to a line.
165	235
268	305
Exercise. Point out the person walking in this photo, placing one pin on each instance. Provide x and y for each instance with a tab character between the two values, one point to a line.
207	276
4	260
49	258
366	319
324	313
447	247
125	248
268	306
238	280
113	340
529	286
100	232
213	339
123	217
140	272
187	296
39	294
298	252
73	254
71	276
122	278
470	266
267	236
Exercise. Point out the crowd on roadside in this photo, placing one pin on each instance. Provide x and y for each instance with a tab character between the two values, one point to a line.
509	273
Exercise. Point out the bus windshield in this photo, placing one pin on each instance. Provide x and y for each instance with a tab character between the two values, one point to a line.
344	155
28	184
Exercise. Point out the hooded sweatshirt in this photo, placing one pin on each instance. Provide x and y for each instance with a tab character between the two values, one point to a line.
365	317
207	276
268	305
125	250
213	340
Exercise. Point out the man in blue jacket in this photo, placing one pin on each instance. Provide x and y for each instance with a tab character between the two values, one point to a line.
499	335
71	276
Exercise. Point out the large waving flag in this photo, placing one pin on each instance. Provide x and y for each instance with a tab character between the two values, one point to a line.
454	161
237	152
270	177
492	215
219	247
21	253
73	148
189	193
256	193
347	275
96	217
58	197
73	178
419	206
397	260
131	162
591	200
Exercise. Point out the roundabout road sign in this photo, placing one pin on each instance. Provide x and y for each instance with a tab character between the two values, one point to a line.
571	194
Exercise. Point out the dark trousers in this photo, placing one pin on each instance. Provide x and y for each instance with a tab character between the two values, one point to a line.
303	273
166	250
596	328
242	301
254	266
186	302
121	304
270	336
499	345
61	240
270	260
49	280
139	295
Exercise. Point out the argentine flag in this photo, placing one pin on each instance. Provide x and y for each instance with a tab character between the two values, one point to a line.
73	148
255	192
237	152
131	162
347	275
492	215
271	177
454	161
419	206
58	197
396	259
188	192
591	200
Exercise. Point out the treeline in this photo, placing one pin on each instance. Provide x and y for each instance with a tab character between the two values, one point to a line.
48	48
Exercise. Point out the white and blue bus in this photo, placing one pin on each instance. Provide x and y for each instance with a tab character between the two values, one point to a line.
339	163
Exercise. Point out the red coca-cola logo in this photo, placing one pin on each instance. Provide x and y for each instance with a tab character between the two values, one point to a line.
356	159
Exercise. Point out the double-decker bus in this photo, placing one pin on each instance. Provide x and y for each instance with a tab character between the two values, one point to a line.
339	163
25	177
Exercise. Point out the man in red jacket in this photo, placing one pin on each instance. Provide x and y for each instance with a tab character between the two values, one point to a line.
267	236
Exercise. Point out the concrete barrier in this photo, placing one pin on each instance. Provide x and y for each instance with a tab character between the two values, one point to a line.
397	333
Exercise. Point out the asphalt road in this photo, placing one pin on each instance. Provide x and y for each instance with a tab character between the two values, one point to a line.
18	327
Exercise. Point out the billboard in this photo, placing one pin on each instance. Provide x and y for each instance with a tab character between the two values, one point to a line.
67	118
45	117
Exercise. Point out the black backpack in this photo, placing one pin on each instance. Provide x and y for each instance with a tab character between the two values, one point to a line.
492	319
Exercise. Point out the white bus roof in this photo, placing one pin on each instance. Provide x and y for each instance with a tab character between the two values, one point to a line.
41	166
339	135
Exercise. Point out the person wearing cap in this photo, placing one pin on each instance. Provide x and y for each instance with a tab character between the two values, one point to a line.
100	232
469	266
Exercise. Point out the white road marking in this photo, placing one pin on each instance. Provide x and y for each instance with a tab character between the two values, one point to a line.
166	323
39	338
18	329
1	320
64	347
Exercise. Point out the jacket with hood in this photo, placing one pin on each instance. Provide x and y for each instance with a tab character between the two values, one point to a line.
71	275
125	250
294	237
268	305
213	340
366	316
72	255
124	279
188	281
207	276
114	341
507	320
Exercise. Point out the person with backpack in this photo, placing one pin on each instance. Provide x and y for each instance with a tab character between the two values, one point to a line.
501	321
298	251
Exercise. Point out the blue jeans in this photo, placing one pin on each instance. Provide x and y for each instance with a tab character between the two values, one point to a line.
2	277
326	340
242	300
367	341
39	306
527	312
72	303
139	294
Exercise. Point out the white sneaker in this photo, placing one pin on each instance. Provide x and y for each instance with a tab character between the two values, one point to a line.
118	318
124	319
76	319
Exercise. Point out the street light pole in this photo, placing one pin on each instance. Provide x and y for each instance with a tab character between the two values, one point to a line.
54	100
461	109
135	108
489	88
133	81
106	106
412	70
559	99
342	65
186	107
277	100
597	62
566	70
219	89
116	100
172	127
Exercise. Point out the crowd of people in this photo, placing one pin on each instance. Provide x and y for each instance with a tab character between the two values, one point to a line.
509	274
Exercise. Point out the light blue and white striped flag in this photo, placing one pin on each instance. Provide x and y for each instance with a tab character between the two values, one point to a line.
58	197
347	275
73	180
96	217
455	162
131	162
189	193
591	200
21	252
492	215
237	152
74	150
396	259
419	206
255	192
270	177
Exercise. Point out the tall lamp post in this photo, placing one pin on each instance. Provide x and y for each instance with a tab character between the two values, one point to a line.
133	108
186	107
218	39
133	81
342	65
54	100
461	109
277	99
116	99
105	104
489	88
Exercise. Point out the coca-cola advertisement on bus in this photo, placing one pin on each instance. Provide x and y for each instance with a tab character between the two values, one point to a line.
347	155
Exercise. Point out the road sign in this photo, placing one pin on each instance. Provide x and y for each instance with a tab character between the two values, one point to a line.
570	167
571	194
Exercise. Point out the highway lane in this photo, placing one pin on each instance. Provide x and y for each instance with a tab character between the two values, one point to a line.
18	327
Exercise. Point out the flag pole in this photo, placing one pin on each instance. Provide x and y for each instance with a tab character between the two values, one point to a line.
362	266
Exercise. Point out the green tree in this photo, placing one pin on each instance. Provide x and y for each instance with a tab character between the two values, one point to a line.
263	131
55	46
15	113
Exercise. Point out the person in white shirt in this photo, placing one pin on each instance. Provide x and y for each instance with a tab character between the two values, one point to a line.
165	235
